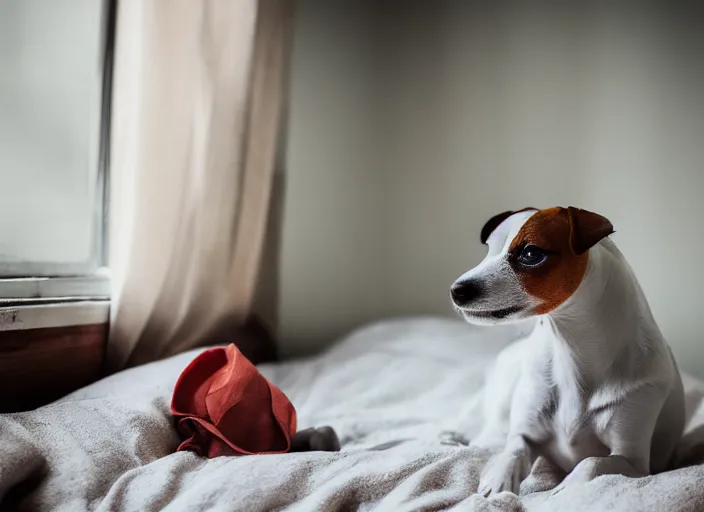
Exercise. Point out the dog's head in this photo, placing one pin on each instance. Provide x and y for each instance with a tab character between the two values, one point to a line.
536	261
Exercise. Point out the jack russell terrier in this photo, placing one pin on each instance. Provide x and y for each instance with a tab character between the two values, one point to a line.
594	389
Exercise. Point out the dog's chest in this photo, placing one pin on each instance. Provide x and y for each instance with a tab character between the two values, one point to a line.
575	430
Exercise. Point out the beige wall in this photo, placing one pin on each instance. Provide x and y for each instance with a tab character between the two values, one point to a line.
398	153
331	257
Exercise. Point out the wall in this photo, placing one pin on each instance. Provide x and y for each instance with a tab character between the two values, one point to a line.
477	109
597	106
332	235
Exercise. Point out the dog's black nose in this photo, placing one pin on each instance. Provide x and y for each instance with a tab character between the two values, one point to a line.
464	292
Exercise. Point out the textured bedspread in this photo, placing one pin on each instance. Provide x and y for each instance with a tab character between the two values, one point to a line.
390	391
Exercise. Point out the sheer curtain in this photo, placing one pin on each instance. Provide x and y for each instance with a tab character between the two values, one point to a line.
197	96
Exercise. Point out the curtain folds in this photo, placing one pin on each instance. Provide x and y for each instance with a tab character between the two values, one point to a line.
197	96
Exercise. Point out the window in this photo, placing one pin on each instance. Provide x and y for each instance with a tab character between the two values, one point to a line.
55	71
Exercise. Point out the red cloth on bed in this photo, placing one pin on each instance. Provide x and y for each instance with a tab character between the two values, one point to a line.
225	406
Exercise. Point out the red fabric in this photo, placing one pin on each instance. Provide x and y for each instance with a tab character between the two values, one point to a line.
224	406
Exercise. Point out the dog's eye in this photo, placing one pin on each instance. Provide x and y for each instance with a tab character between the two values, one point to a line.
532	256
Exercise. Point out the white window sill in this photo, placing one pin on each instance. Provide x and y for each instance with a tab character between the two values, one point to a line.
42	316
42	302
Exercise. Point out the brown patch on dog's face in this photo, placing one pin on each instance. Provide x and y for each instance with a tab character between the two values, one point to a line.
554	281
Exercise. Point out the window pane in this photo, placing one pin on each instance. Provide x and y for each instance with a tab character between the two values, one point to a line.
50	85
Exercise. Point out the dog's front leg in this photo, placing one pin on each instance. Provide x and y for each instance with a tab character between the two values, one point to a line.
506	470
498	394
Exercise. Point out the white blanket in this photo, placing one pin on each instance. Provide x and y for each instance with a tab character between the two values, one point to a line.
390	390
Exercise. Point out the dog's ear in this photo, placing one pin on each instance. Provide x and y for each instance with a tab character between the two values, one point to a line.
494	222
587	229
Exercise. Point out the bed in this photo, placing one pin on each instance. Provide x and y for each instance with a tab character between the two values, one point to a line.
403	396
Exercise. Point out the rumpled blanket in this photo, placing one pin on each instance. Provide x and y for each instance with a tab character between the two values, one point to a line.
403	396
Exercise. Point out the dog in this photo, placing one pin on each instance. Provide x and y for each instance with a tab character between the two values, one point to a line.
594	388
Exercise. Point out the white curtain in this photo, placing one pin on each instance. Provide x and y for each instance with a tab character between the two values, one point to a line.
197	96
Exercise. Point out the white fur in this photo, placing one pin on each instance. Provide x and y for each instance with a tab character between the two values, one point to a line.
593	390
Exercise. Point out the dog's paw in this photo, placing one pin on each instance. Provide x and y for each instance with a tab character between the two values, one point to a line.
593	467
535	483
584	472
504	472
544	476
